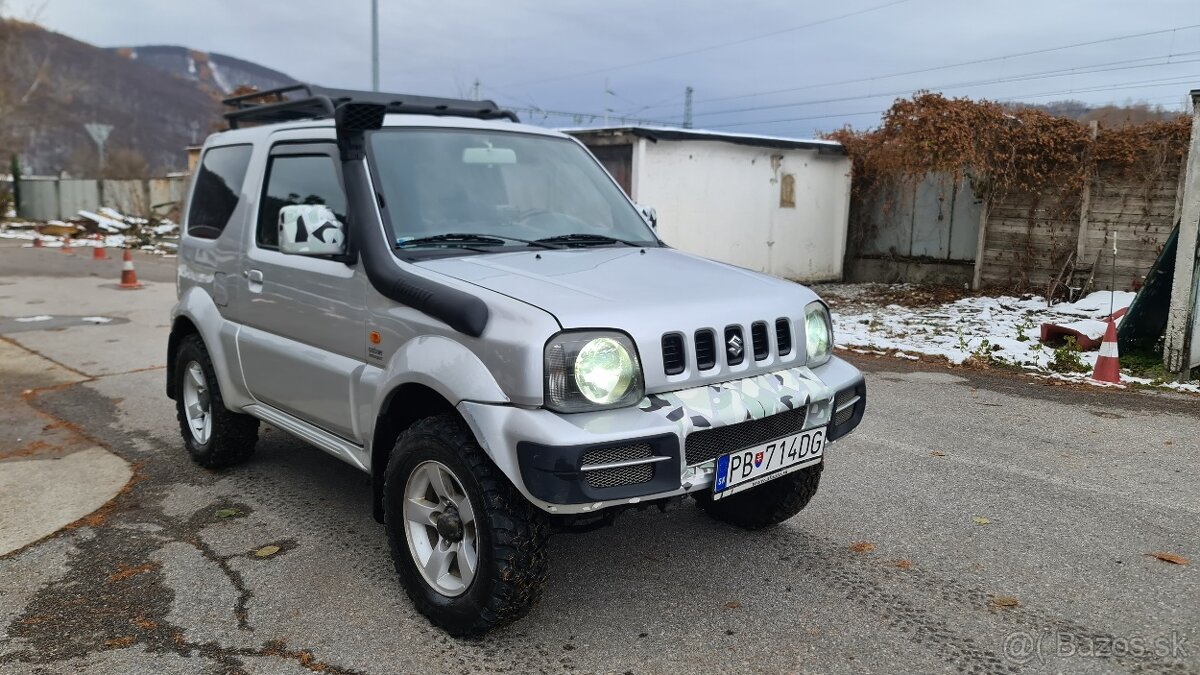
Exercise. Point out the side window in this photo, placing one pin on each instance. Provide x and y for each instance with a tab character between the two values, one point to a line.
218	187
298	179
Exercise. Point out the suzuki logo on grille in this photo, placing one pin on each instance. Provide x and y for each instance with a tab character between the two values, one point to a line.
735	346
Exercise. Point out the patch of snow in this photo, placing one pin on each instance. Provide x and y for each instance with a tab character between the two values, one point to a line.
1002	328
117	215
105	223
31	319
1092	328
218	76
96	319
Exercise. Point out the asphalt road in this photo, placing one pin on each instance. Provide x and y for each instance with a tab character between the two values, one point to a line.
975	522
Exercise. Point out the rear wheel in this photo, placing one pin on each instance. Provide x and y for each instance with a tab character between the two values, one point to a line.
214	436
768	504
469	548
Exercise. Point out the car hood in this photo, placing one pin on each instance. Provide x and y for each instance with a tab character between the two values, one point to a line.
643	292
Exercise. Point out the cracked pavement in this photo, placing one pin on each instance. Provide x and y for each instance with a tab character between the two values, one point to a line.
886	571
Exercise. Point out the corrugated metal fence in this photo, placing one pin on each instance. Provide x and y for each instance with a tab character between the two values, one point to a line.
923	231
63	198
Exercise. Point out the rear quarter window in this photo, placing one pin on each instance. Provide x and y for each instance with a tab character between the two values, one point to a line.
218	188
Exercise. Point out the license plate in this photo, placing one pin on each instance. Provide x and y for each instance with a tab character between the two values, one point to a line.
756	465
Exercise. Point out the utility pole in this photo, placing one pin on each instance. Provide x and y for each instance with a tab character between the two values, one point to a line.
687	107
477	89
374	45
1180	349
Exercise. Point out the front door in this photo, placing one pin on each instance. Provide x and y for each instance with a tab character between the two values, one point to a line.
301	341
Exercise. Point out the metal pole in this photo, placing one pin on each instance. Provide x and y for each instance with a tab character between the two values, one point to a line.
374	45
477	89
606	101
687	108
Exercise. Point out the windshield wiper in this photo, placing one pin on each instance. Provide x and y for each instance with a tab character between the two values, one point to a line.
466	238
585	238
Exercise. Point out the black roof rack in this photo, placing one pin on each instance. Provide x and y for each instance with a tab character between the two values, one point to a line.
311	102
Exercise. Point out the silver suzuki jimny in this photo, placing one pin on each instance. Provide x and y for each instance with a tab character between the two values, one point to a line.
471	311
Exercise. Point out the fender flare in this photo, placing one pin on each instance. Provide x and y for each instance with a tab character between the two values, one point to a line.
220	339
441	364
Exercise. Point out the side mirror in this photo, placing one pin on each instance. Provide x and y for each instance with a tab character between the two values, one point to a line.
650	215
311	229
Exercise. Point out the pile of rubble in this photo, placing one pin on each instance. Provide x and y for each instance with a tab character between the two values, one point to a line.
105	227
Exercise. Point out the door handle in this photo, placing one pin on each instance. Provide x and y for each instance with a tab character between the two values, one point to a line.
255	276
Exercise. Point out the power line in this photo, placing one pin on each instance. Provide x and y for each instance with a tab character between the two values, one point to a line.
960	64
1049	74
579	117
699	50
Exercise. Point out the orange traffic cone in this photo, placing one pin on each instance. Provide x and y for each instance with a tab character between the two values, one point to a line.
37	237
129	280
1108	367
66	247
98	252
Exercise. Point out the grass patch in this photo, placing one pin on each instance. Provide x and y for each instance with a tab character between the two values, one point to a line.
1148	363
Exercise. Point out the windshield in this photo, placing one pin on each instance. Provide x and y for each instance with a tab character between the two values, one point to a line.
439	185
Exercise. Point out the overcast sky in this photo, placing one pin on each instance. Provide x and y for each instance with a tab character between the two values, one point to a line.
836	62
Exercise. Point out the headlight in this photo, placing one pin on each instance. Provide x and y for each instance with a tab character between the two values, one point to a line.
592	370
818	333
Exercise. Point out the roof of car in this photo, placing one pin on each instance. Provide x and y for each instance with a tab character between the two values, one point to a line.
259	133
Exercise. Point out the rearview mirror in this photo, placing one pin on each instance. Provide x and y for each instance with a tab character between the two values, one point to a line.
489	155
311	229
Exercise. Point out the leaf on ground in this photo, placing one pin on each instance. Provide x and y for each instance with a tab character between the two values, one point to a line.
1005	601
733	604
227	513
935	453
980	520
862	547
903	564
1169	557
125	571
266	551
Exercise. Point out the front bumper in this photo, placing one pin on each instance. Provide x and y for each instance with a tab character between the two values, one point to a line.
584	462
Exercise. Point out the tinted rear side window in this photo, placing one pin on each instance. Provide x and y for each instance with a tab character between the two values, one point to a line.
298	179
218	187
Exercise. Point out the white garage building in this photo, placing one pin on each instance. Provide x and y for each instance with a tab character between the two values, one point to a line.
775	205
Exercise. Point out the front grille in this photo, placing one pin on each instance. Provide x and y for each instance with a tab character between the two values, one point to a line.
843	397
710	345
758	336
706	349
704	446
672	351
783	337
625	475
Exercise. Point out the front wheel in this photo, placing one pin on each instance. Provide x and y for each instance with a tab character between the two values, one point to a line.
469	548
214	436
768	504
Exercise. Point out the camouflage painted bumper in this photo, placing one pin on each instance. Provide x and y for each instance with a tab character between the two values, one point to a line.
752	398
